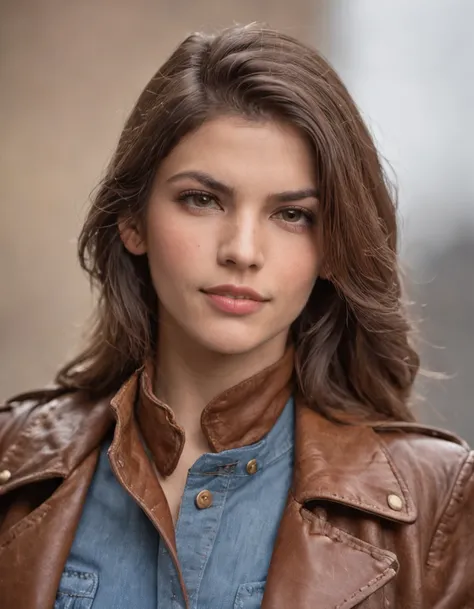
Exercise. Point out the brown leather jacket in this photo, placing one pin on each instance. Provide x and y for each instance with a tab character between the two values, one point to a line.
377	517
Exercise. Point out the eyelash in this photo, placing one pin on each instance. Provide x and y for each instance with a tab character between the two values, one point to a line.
309	215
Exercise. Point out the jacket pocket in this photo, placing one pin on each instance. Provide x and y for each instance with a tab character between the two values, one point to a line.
249	596
77	589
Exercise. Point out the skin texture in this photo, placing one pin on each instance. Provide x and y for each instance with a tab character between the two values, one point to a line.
196	237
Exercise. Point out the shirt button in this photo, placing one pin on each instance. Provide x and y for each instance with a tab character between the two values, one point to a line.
204	500
252	467
395	502
5	476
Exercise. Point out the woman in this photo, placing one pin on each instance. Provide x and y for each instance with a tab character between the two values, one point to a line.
237	432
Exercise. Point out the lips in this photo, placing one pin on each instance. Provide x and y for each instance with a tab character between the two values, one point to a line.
237	292
234	300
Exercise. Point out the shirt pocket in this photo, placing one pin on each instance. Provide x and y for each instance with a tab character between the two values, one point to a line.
77	589
249	596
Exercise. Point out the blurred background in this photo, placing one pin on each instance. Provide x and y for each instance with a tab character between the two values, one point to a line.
70	73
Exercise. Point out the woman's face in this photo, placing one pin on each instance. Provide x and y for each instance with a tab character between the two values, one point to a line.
232	236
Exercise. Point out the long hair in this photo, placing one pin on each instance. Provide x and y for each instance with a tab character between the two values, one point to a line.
354	359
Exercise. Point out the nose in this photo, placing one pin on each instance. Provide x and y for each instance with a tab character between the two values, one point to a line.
240	245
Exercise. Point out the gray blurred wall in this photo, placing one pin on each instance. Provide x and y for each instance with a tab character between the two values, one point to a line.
69	74
410	67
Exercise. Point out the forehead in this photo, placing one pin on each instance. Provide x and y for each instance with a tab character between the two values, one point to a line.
244	153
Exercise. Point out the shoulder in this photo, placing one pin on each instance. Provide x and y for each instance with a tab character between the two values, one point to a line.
424	447
40	413
410	430
13	416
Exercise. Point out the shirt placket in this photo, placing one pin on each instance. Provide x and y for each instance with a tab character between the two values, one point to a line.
169	590
201	509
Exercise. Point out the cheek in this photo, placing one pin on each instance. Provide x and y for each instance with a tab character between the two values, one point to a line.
297	275
172	250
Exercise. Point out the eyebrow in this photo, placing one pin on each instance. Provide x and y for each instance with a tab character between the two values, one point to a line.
209	182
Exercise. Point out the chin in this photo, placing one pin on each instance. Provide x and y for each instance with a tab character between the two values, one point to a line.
230	343
239	346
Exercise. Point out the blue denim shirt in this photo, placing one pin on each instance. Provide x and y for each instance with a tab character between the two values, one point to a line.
117	560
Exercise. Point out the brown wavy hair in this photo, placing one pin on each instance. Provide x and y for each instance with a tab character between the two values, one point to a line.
354	359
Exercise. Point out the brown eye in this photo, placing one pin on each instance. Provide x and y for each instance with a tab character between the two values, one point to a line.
296	215
198	200
291	215
201	200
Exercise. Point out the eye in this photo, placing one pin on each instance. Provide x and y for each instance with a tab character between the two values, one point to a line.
198	199
296	215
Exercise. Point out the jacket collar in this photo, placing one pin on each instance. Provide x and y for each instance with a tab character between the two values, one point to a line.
240	416
347	464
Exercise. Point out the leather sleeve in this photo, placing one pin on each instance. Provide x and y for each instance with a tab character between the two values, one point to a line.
450	562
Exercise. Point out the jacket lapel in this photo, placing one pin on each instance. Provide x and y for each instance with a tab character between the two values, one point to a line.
317	565
314	563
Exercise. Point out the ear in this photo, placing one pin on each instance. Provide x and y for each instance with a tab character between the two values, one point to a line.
131	237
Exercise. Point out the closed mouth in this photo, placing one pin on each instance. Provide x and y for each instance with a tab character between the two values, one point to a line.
236	292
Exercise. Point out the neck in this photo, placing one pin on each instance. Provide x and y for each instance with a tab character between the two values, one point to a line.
189	376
